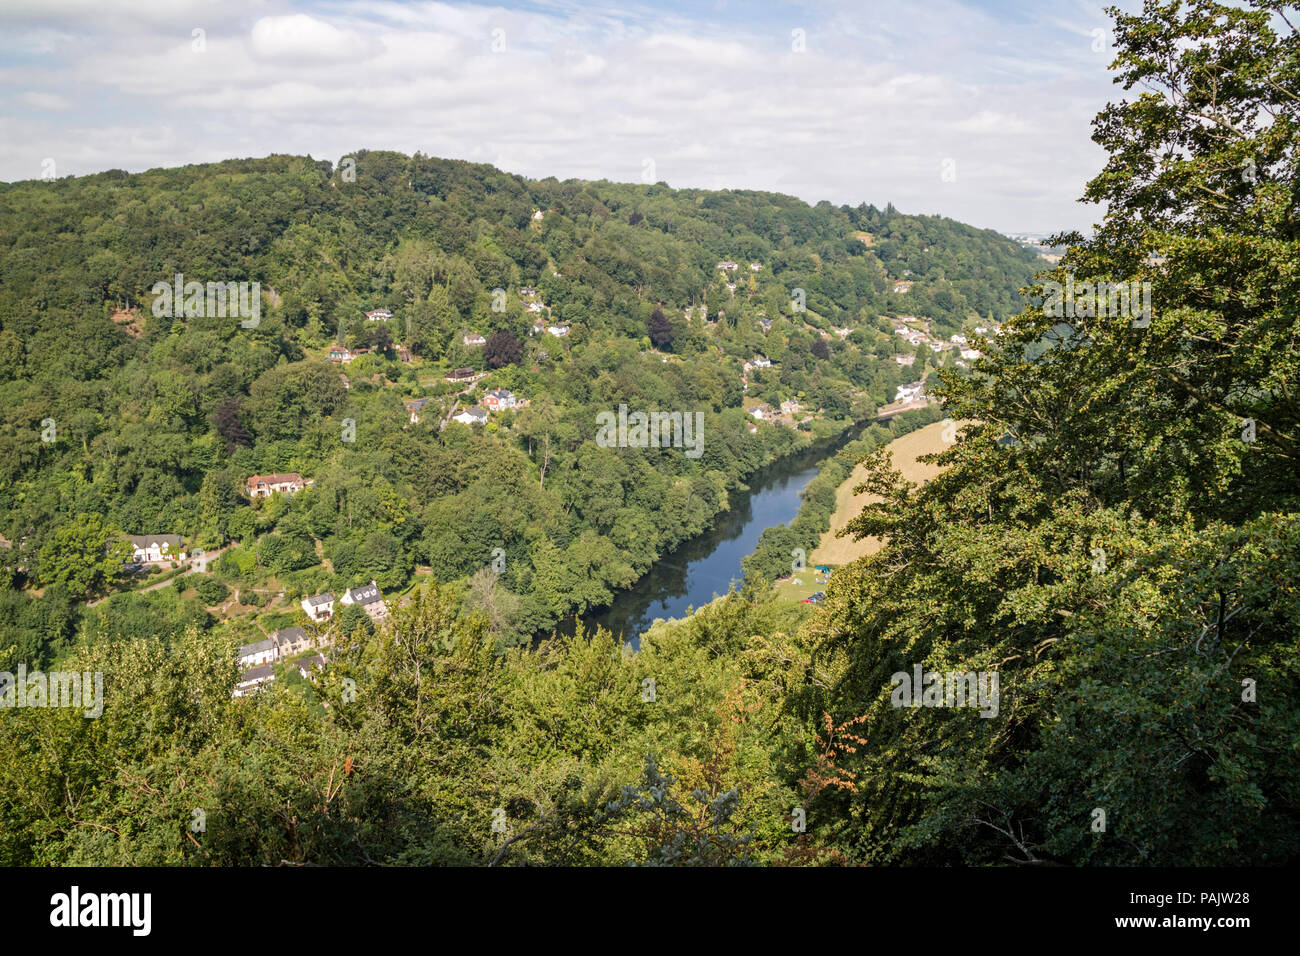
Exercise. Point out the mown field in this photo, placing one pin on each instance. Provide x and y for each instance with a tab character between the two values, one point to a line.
906	451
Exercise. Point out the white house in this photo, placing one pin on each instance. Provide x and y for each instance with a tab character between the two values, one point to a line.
253	680
728	266
559	331
909	393
499	399
259	652
379	315
319	607
970	354
263	486
471	416
155	548
473	339
761	362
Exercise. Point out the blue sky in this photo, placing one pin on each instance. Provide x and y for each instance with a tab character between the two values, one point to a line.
976	110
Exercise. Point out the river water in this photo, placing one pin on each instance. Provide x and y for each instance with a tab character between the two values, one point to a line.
705	567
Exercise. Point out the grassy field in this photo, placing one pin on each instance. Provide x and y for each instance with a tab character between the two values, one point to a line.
836	551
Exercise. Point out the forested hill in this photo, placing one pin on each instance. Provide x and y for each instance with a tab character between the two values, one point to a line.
119	415
331	240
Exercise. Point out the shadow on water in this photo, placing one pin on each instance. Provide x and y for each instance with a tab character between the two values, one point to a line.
706	566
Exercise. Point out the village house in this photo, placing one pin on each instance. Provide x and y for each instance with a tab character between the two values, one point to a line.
259	652
535	307
290	642
958	340
253	679
499	399
970	354
537	215
789	407
527	292
559	331
905	359
907	394
539	325
263	486
471	416
369	599
379	315
903	286
461	375
766	324
309	666
413	408
473	339
761	362
728	266
843	333
340	353
754	267
731	287
319	607
155	548
764	412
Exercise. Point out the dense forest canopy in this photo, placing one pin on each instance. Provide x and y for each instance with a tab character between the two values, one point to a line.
1115	534
147	409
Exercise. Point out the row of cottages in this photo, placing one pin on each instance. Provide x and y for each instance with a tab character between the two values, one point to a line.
379	315
155	548
473	339
258	659
263	486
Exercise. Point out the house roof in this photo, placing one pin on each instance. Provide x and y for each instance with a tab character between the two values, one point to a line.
257	647
291	476
478	414
260	672
318	599
291	635
367	594
173	541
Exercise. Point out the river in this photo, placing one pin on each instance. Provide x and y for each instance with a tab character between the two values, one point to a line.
705	567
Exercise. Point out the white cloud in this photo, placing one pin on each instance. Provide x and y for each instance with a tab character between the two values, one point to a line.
303	38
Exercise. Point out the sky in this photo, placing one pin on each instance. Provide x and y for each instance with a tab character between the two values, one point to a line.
976	109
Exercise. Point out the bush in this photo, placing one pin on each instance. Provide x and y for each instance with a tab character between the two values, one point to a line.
210	591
